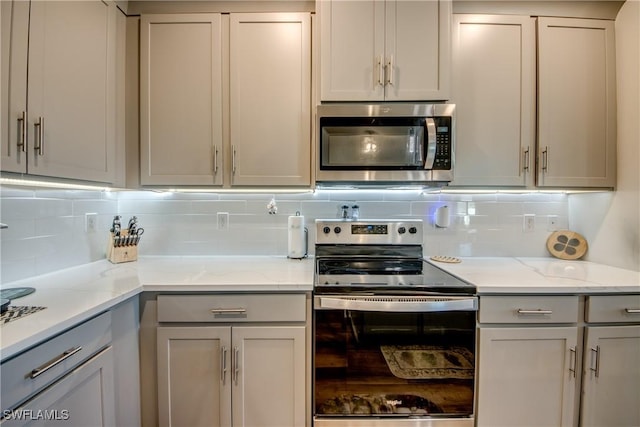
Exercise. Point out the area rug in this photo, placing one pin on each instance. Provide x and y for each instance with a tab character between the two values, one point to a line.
428	362
18	312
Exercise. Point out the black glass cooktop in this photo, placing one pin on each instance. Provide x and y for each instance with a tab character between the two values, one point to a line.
362	275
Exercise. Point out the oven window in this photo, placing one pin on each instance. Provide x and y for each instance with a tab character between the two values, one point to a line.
393	364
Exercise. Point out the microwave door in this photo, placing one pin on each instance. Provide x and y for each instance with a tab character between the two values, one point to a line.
430	133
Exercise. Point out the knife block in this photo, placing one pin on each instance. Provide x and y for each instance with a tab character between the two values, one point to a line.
125	253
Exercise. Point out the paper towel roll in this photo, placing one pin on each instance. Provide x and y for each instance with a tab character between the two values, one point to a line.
297	238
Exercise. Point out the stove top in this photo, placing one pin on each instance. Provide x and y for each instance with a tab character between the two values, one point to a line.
378	256
428	279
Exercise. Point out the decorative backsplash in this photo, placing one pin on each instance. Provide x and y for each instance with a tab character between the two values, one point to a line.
47	227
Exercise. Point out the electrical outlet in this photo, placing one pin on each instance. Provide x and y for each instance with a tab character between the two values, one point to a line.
223	220
529	223
90	222
552	222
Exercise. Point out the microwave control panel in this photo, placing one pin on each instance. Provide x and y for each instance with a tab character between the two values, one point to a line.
444	150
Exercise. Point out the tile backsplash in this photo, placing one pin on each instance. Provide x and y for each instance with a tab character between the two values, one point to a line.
47	227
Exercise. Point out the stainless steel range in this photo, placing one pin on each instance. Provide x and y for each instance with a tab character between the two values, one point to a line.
394	335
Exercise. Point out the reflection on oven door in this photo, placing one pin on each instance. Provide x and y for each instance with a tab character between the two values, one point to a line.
393	366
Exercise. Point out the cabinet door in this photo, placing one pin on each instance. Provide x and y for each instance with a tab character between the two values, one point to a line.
270	99
526	377
269	377
494	89
351	50
71	95
181	99
85	397
576	103
417	47
611	395
194	376
15	35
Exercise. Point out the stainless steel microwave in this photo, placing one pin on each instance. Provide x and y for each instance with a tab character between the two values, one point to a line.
385	144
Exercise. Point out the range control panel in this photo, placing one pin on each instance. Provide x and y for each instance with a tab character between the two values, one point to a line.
371	232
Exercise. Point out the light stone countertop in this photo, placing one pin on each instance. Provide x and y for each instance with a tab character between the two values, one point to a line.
76	294
502	275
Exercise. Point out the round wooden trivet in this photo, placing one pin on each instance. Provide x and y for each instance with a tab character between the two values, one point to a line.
449	259
567	244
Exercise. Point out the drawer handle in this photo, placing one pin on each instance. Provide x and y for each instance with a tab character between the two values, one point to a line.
632	310
229	311
53	362
534	312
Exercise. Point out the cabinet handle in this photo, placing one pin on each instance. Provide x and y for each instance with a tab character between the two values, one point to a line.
534	312
223	364
525	161
572	366
236	364
632	310
39	128
233	158
597	360
53	362
380	71
239	310
390	71
22	129
545	159
215	160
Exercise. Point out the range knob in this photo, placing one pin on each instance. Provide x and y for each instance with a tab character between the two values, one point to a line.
326	230
413	230
402	230
337	230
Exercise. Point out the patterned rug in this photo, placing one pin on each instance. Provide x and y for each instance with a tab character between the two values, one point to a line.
428	362
18	312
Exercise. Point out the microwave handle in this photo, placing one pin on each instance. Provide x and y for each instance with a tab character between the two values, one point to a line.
430	131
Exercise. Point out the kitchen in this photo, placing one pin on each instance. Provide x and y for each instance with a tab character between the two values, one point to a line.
486	223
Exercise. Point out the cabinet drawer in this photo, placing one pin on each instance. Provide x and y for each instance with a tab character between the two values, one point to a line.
31	371
232	308
528	309
613	308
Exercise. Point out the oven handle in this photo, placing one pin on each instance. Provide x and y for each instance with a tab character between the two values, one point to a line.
404	305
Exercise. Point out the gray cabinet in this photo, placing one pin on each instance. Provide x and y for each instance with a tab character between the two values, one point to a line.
576	103
70	378
394	50
499	61
59	119
610	392
494	89
181	99
246	359
237	109
527	361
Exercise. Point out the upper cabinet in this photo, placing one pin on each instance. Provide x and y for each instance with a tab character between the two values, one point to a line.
394	50
270	99
494	88
181	99
226	99
59	118
576	103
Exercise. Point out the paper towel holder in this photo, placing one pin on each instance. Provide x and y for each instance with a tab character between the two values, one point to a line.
306	242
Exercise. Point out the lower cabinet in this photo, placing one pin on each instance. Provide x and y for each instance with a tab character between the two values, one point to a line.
611	374
527	376
232	374
85	397
541	362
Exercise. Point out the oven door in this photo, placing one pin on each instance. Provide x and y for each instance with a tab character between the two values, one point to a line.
394	360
